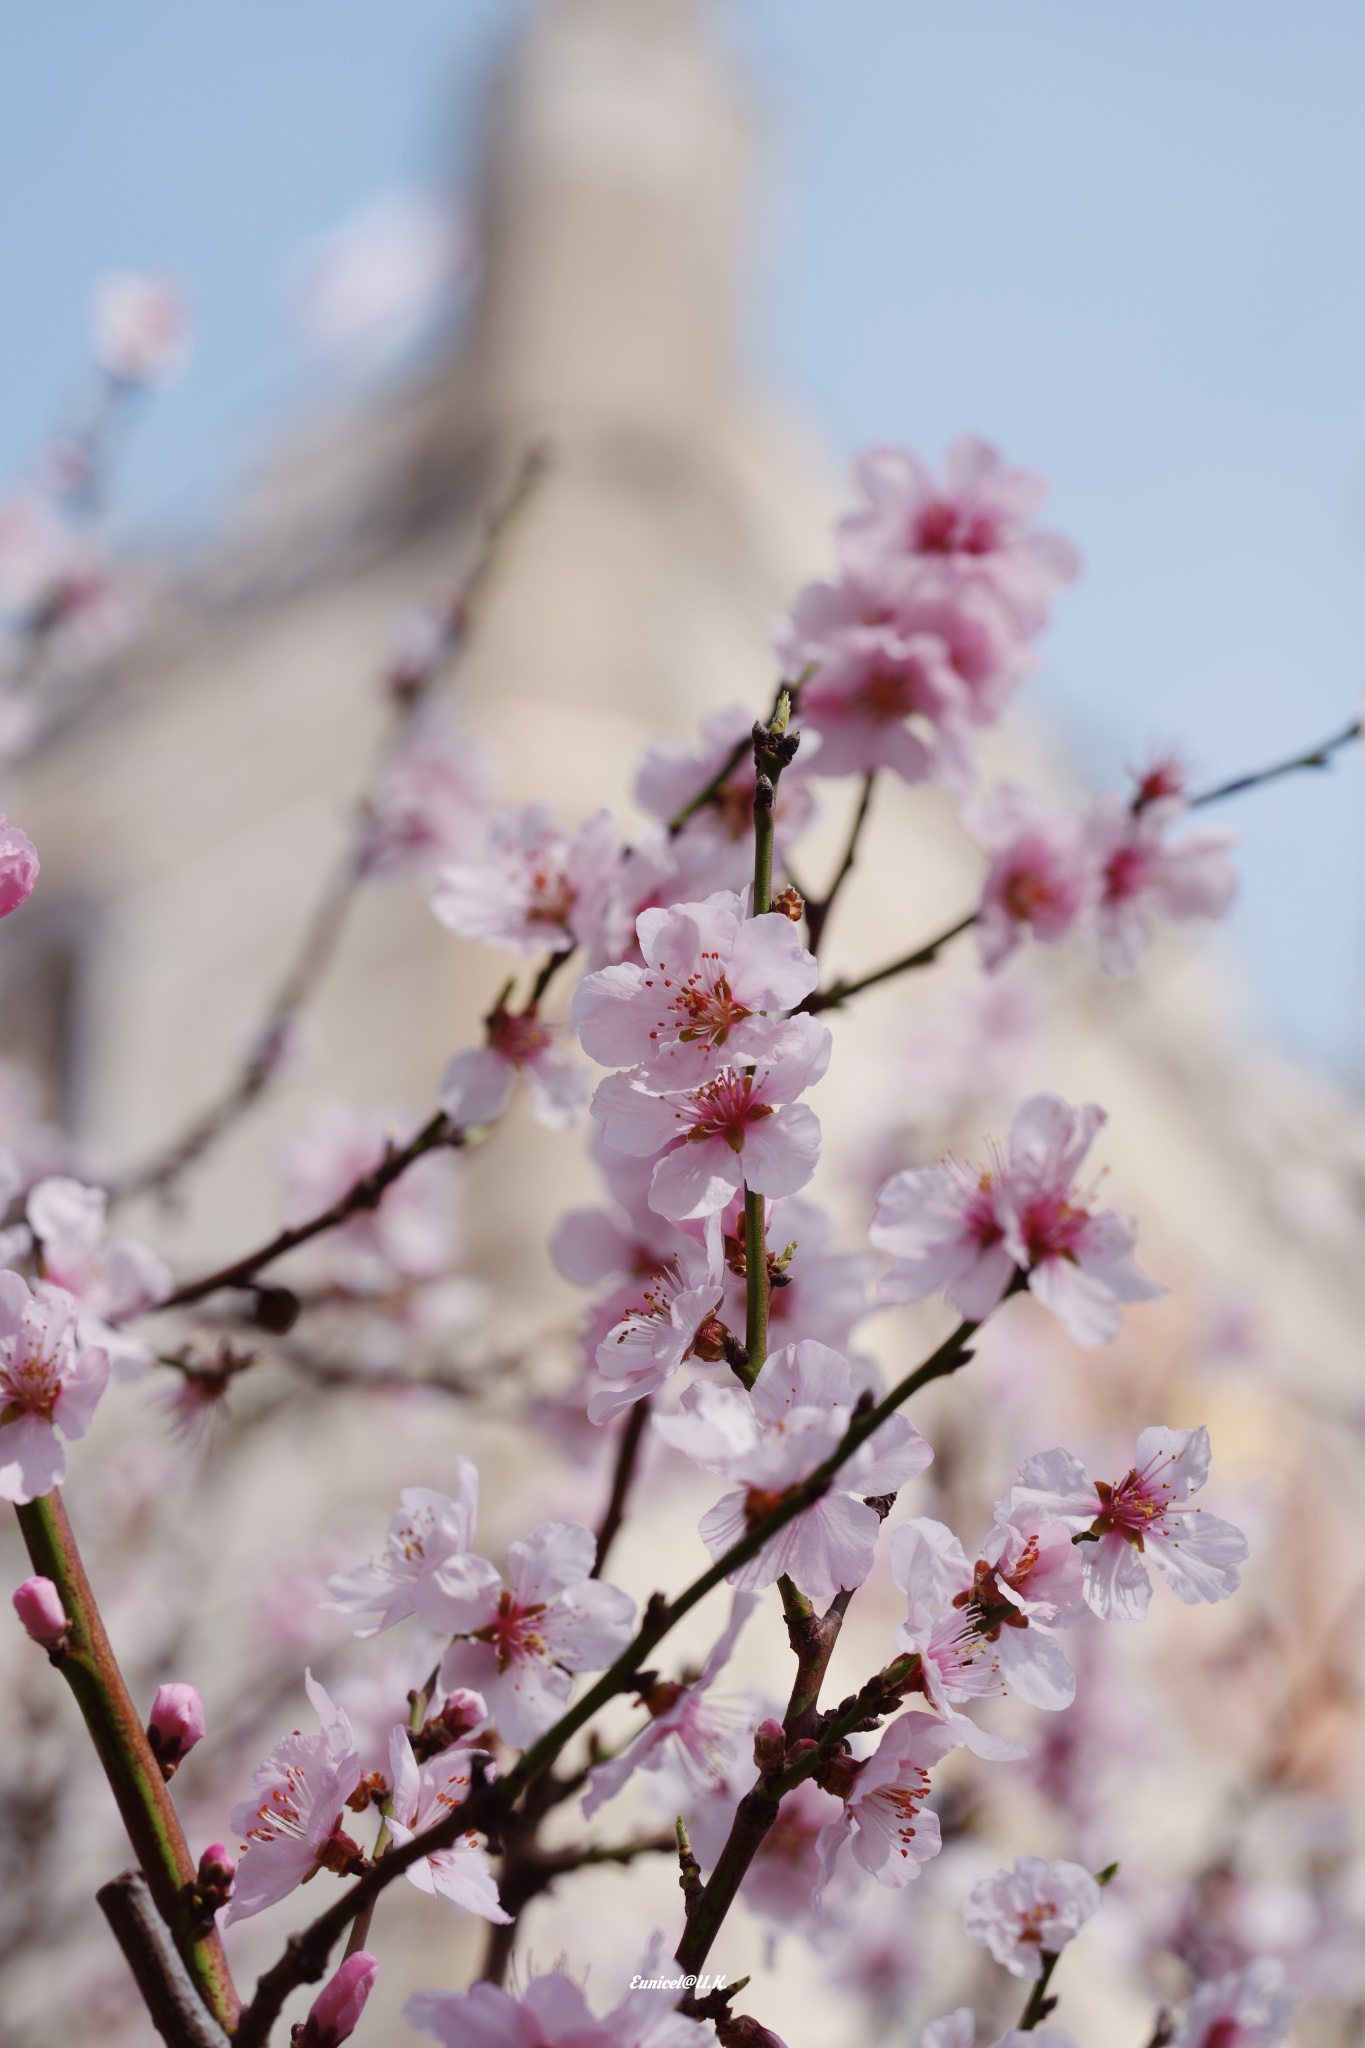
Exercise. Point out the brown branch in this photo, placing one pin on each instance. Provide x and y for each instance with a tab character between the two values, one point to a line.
365	1194
172	2002
323	931
839	992
1316	757
623	1475
817	914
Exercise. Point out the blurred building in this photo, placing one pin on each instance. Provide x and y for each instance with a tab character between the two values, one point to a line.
189	812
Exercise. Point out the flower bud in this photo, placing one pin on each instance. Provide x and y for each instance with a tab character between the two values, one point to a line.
336	2010
18	867
216	1875
742	2030
177	1723
462	1713
38	1605
770	1746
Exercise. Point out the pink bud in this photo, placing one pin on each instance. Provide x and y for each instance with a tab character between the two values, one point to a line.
770	1745
38	1605
216	1876
18	867
336	2010
177	1723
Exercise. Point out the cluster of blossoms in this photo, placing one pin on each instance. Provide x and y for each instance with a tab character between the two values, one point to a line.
706	1254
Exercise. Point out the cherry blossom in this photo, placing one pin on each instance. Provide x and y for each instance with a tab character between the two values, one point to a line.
969	1232
477	1085
958	2030
411	1236
891	1831
686	1729
430	801
110	1280
971	524
773	1436
744	1128
719	836
38	1605
291	1824
18	867
661	1327
1040	879
541	886
551	2013
521	1644
1031	1912
1142	877
1245	2009
142	329
174	1725
335	2013
1146	1515
986	1628
422	1796
427	1529
49	1382
713	983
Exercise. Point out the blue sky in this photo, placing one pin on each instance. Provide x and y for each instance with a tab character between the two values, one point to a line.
1125	242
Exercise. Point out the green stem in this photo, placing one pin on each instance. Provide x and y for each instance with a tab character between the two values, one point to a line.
91	1670
756	1289
1039	2004
839	992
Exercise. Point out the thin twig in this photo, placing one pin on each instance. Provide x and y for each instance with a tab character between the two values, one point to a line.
1316	757
1039	2004
839	992
711	790
623	1474
817	914
328	921
365	1194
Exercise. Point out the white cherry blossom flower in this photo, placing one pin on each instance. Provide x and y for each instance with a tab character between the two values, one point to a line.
110	1280
49	1383
540	887
291	1824
521	1644
1031	1912
1245	2009
427	1529
422	1796
891	1831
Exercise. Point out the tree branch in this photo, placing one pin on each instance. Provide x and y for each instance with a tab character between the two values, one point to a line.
817	914
1316	757
144	1802
172	2003
623	1474
839	992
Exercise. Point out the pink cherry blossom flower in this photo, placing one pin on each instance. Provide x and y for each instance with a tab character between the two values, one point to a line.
477	1086
49	1382
744	1127
38	1605
427	1529
541	886
413	1235
521	1644
1245	2009
719	836
712	986
969	1233
892	1833
551	2013
695	1734
292	1821
1031	1912
422	1796
657	1331
1145	1516
18	867
1040	879
986	1629
142	329
110	1280
335	2013
973	523
430	802
175	1724
773	1436
1142	877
